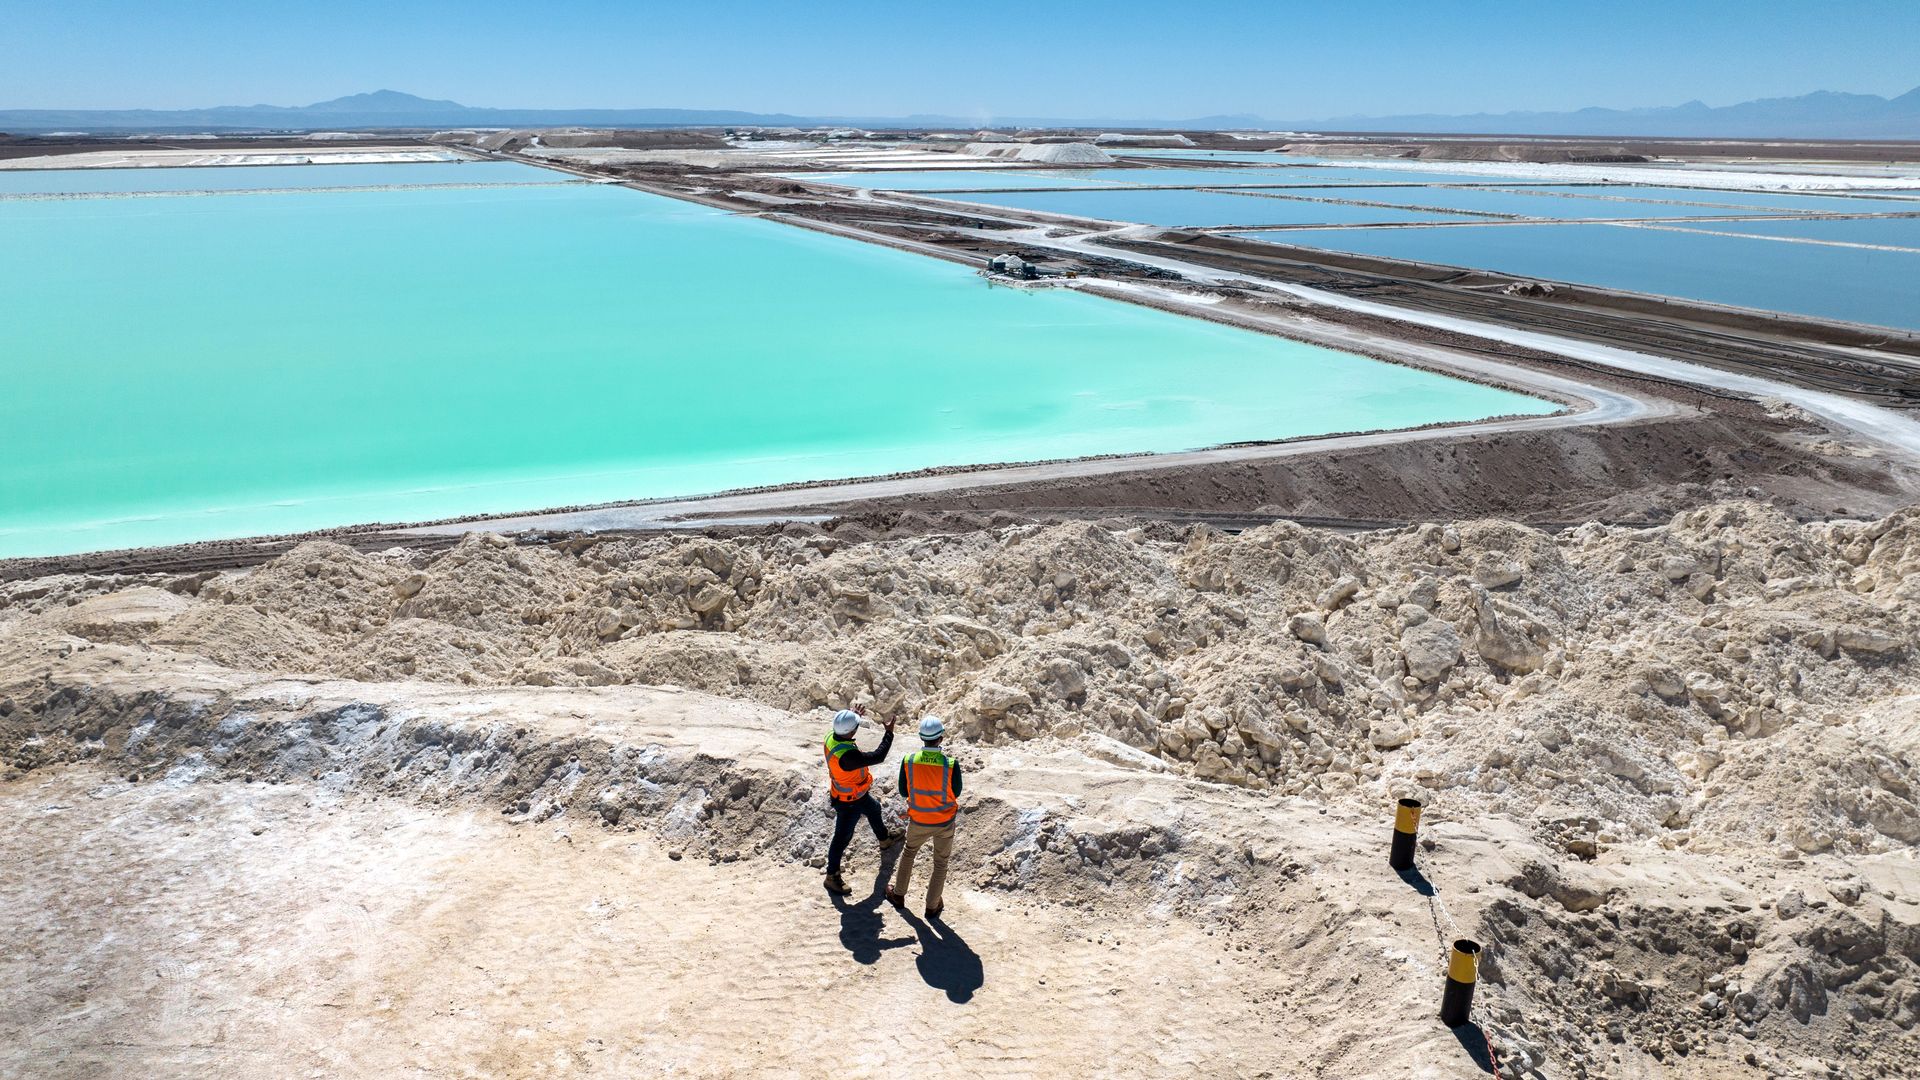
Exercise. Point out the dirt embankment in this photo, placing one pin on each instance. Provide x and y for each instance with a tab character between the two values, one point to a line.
1673	772
1638	473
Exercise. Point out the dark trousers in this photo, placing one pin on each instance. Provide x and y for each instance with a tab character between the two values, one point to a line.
845	816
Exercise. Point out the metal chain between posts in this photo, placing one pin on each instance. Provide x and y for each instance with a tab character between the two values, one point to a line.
1437	910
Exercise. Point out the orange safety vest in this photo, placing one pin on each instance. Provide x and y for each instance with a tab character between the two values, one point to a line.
848	784
930	798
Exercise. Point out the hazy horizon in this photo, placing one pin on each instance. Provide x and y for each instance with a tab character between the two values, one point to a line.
991	59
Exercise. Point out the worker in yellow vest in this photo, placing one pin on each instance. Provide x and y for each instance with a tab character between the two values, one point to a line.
930	781
850	779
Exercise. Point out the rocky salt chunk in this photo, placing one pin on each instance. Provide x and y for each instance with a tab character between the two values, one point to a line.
1430	647
1308	627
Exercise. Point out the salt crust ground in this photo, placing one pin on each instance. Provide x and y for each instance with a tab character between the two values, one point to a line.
1671	778
1632	174
319	155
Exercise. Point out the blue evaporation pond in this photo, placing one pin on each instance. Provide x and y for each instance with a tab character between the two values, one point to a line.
1352	174
1110	176
1255	156
1550	202
269	177
1295	174
1902	232
190	368
1278	175
1759	200
959	179
1198	209
1171	177
1849	284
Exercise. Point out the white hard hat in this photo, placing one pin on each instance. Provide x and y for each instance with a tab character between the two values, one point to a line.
931	728
846	722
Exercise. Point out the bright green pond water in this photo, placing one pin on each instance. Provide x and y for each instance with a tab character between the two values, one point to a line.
230	365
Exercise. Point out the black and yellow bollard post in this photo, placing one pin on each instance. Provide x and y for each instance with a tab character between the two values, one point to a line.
1463	967
1406	829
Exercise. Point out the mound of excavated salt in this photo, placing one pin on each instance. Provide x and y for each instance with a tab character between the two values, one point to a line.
1048	153
1704	732
1121	138
1691	683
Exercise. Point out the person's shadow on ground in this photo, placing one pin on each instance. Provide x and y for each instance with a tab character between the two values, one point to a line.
945	961
861	921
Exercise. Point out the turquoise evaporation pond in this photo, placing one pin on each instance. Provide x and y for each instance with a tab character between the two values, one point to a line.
268	177
1850	284
191	368
1197	209
1570	203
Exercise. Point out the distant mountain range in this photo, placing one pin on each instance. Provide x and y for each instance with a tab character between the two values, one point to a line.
380	109
1824	114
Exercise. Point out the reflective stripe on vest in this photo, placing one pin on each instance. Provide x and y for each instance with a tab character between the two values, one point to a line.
930	788
847	784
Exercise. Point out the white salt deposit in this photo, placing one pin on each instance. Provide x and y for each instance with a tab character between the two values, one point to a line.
1049	153
1119	138
1641	174
165	159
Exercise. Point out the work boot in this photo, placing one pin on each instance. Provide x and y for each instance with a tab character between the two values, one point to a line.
934	912
837	885
893	838
898	900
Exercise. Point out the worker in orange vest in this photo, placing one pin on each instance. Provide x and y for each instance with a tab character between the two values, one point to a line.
930	781
850	779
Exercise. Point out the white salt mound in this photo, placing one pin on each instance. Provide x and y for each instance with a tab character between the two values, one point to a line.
1118	138
1049	153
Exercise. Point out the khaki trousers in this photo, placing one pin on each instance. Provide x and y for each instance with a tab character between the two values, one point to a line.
918	835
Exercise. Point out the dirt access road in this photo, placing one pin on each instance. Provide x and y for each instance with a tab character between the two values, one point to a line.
363	906
273	931
329	918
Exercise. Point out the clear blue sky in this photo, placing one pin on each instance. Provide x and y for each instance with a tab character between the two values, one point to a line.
1064	58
